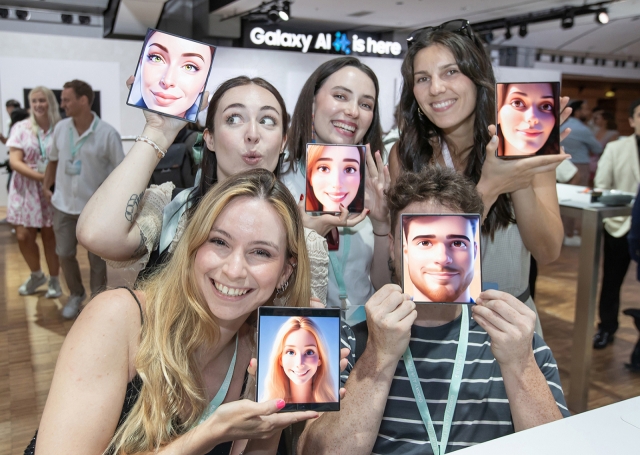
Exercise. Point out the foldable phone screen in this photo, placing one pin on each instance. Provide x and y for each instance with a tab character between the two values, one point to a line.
528	119
335	177
441	257
299	357
171	75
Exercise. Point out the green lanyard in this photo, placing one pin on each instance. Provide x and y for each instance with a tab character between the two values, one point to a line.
339	266
454	388
224	388
76	148
42	144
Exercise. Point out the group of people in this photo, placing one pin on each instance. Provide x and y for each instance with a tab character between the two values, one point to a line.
169	366
90	149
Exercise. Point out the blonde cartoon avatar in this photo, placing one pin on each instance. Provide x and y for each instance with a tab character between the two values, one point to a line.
172	75
527	119
299	367
335	177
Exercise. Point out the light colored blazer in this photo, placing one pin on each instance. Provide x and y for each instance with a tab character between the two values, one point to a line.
619	169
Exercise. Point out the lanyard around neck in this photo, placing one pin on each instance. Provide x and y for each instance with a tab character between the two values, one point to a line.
224	388
446	155
42	143
454	388
75	148
339	266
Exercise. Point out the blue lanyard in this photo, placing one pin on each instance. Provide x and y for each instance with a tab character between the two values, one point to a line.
454	388
43	144
75	148
224	388
339	266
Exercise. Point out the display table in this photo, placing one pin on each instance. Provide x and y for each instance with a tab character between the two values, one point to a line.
613	429
575	204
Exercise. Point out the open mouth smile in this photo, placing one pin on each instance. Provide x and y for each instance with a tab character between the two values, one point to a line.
346	128
228	291
337	197
441	106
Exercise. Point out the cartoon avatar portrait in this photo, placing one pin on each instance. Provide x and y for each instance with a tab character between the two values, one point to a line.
335	177
299	366
172	75
528	122
441	258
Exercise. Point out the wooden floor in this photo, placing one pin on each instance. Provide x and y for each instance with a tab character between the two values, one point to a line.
32	332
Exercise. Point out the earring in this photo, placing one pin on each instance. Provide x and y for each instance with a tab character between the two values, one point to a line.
420	113
282	289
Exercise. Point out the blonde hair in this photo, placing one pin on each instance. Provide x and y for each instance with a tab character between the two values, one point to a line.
53	112
178	320
277	382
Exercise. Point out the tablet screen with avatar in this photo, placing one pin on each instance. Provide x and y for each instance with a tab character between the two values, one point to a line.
335	178
528	119
441	257
171	75
299	357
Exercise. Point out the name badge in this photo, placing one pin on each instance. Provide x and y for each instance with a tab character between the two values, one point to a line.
73	167
42	166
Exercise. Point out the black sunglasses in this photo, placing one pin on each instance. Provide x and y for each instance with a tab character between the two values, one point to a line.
460	26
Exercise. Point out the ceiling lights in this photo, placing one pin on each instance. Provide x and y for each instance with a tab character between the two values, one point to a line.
270	11
602	16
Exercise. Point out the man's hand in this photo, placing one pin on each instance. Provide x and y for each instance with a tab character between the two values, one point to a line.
510	325
390	315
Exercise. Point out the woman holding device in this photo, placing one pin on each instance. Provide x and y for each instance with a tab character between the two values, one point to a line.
299	368
447	101
178	359
27	209
338	104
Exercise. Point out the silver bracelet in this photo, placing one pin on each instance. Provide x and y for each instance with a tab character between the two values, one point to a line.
159	152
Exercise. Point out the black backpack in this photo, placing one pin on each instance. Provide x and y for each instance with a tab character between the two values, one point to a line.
177	166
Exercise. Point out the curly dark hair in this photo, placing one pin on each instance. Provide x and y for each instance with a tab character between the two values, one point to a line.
440	186
415	147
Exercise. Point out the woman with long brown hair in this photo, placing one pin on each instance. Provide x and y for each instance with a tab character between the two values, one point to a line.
177	360
447	111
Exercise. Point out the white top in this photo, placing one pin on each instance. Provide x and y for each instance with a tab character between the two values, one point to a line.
358	266
99	155
613	429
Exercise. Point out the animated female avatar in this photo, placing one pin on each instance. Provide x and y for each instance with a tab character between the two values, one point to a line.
527	119
172	75
299	367
335	178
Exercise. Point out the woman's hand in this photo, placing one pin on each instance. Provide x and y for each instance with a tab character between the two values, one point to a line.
377	181
501	176
162	129
323	224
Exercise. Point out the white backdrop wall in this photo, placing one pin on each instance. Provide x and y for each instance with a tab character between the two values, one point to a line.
28	59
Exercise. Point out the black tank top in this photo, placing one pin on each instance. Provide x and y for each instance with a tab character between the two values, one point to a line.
130	398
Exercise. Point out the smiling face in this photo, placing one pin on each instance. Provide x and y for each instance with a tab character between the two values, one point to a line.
335	177
300	359
39	105
173	73
238	268
445	95
526	117
440	253
343	107
247	131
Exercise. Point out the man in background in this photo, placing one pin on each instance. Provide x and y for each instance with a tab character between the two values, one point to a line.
85	150
618	169
579	143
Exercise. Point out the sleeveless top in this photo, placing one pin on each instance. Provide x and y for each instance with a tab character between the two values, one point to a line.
130	398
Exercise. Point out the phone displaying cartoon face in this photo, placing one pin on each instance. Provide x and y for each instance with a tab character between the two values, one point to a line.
171	75
299	357
441	260
528	119
335	178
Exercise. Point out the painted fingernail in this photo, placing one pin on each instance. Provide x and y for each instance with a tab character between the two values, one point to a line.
280	404
368	211
341	206
301	196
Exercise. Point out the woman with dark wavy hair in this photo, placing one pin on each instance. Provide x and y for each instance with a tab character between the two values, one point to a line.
338	104
447	111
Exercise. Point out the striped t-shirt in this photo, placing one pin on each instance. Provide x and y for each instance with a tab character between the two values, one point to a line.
482	412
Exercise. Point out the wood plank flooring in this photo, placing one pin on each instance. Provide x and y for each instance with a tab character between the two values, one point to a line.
32	332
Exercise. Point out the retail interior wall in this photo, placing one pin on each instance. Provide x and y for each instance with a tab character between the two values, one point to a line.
27	60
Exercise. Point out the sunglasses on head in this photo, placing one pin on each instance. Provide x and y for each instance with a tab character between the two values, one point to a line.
460	26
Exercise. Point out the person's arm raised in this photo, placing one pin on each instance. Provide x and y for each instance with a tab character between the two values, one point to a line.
118	198
510	324
353	430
